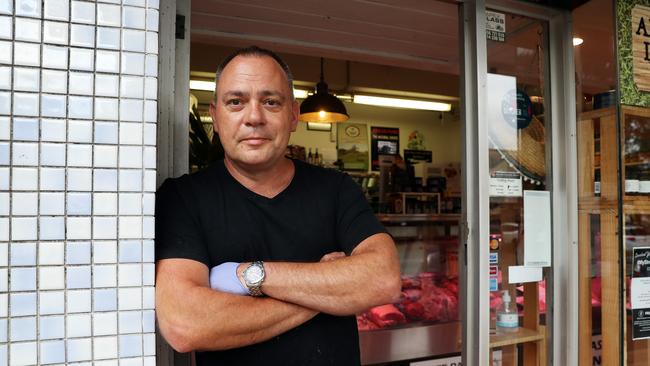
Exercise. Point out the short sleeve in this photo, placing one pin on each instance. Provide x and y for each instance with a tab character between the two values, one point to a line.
178	230
355	219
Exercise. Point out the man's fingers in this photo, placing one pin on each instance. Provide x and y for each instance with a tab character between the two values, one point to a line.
332	256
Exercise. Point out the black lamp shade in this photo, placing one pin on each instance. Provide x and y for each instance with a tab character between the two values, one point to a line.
323	107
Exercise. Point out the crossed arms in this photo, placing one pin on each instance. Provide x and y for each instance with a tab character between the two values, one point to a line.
192	316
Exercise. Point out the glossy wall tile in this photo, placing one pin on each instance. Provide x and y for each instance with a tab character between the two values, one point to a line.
78	113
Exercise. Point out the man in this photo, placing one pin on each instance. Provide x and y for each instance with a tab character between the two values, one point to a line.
258	223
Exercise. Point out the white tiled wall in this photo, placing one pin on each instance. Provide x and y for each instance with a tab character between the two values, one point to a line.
78	110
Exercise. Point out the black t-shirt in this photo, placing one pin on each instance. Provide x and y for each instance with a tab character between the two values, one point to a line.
211	218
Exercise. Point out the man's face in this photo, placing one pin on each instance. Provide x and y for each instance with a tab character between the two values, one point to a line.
254	112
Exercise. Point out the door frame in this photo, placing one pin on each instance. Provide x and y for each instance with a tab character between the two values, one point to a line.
562	314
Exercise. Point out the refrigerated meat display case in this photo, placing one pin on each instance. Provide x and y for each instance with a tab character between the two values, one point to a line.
424	323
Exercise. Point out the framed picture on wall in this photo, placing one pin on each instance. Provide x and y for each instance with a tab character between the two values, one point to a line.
352	145
383	141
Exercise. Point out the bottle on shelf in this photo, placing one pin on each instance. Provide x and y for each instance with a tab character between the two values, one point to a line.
631	180
310	157
318	158
597	183
507	317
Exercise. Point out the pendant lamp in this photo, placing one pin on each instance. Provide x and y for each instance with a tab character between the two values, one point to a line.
323	106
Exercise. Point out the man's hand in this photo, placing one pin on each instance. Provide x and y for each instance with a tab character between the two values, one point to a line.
332	256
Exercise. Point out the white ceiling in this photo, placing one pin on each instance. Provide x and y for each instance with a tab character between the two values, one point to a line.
417	34
412	34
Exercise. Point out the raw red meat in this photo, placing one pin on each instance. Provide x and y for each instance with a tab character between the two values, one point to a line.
386	315
363	323
411	294
414	310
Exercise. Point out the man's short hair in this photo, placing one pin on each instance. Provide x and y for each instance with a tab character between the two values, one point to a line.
257	52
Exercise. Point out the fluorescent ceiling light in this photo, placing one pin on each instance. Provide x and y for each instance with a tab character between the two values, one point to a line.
209	86
577	41
401	103
300	93
202	85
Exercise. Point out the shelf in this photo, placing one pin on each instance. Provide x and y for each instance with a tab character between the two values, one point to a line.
523	335
419	217
597	113
638	205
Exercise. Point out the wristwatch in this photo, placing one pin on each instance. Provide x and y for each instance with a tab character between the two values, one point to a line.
254	277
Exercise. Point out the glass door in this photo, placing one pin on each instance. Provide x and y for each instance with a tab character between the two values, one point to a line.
520	240
520	220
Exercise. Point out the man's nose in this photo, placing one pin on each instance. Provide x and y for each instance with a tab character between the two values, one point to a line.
255	115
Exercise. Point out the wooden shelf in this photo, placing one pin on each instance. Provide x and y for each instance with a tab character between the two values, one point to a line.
419	218
636	205
523	335
597	113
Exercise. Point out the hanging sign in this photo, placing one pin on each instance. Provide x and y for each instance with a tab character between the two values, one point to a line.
640	293
505	184
641	46
633	52
495	26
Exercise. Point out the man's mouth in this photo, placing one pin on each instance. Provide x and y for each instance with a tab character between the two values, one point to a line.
255	140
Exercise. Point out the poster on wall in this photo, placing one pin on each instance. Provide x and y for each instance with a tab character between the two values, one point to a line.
352	145
640	293
383	141
633	51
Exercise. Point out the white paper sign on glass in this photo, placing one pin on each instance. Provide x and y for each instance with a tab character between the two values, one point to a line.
505	184
640	293
502	112
523	274
537	228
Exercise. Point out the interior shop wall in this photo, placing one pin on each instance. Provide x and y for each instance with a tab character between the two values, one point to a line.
205	58
441	131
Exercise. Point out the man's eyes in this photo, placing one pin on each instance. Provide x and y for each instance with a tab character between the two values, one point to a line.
272	102
267	102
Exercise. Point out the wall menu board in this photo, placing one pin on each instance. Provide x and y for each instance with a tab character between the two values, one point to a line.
383	141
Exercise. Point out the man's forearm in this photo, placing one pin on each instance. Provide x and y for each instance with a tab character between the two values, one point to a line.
342	286
195	317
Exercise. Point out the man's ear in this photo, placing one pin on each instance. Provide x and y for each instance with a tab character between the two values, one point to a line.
295	114
213	114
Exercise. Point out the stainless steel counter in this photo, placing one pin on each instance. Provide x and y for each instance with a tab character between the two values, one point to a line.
388	345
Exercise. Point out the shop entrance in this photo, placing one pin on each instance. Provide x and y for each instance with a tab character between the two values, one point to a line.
444	182
395	67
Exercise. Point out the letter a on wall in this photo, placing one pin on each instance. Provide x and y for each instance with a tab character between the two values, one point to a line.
641	47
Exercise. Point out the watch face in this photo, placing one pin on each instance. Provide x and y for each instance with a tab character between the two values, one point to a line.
254	274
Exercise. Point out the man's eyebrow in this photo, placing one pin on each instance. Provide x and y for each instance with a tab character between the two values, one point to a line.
272	93
233	93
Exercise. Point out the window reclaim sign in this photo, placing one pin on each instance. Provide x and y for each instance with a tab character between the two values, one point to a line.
641	46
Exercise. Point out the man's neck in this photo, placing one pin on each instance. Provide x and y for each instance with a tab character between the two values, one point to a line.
267	182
